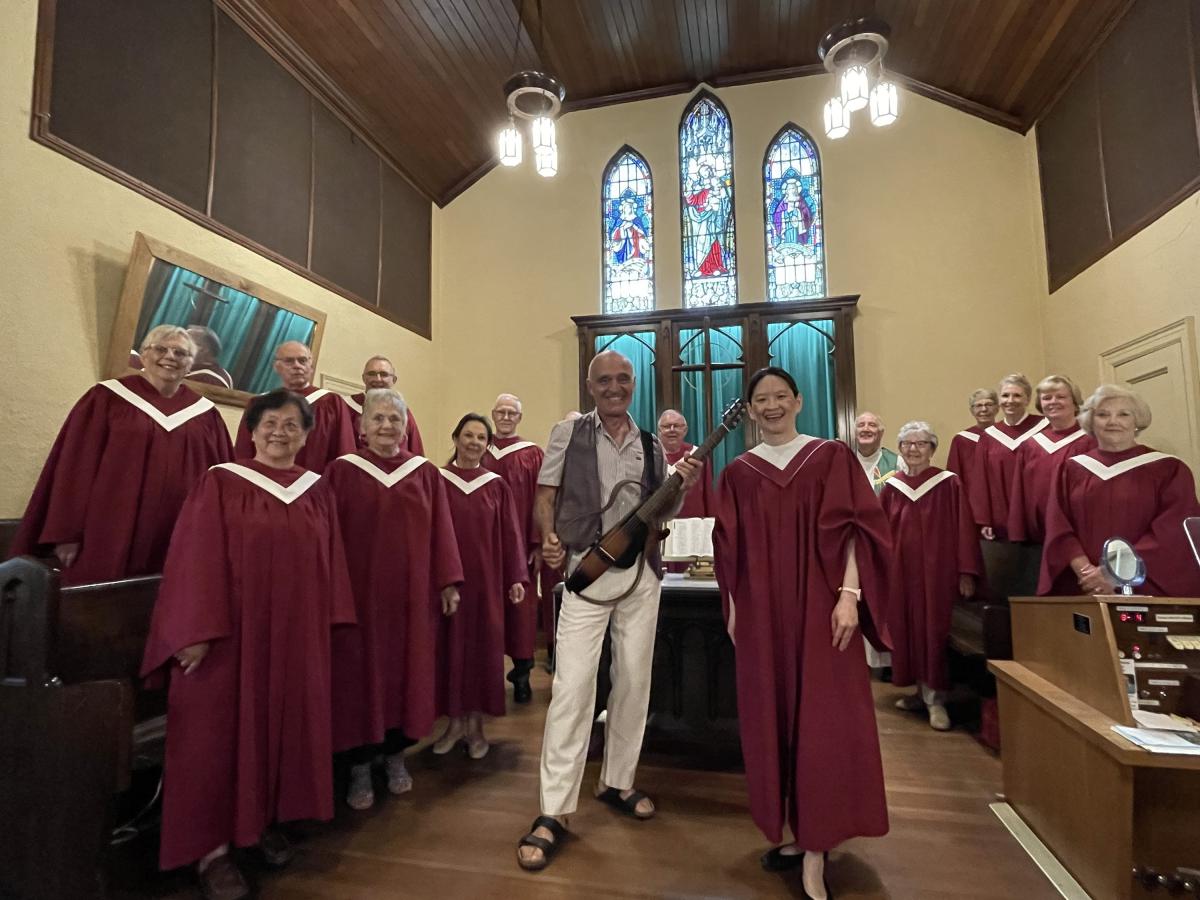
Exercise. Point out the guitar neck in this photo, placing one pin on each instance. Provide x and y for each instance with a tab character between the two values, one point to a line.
662	499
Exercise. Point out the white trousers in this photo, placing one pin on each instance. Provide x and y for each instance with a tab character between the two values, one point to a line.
633	623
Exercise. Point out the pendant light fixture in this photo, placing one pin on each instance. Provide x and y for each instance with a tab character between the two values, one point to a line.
853	53
533	97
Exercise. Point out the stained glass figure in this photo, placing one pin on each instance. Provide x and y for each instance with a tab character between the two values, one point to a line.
706	202
795	233
627	238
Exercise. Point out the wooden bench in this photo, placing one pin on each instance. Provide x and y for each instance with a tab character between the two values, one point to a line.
73	723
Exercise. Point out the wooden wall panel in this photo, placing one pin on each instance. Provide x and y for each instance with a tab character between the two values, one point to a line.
405	252
133	86
345	239
262	179
1073	200
1148	121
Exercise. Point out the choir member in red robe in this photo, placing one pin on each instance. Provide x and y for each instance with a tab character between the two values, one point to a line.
331	436
935	560
800	540
995	459
984	403
1059	399
208	368
698	502
492	545
380	374
254	583
1120	489
405	570
121	467
518	462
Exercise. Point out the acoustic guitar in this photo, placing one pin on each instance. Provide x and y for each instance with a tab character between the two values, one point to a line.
638	532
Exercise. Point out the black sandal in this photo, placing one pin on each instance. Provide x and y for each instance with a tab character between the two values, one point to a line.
627	805
548	848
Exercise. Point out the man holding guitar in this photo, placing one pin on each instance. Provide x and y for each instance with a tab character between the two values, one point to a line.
599	473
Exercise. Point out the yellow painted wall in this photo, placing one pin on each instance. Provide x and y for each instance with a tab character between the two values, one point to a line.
65	236
934	221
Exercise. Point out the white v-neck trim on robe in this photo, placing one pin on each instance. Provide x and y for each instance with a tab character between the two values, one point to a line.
165	422
1013	443
1051	446
916	493
287	495
1107	473
387	479
357	407
469	487
316	395
972	436
498	453
781	455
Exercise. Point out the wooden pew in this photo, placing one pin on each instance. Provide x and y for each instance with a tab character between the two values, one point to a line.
73	723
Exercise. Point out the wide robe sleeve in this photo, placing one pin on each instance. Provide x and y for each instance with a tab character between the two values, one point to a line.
1164	547
970	558
1062	543
725	542
513	539
1021	508
413	437
447	563
341	593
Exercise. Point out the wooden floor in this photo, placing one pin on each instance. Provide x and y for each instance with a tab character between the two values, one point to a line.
455	834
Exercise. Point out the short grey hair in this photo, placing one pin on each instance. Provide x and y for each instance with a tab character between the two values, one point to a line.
913	427
979	394
385	397
506	396
162	332
1105	392
1020	381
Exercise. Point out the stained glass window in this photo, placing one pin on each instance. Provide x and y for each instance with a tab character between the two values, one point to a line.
795	233
627	238
706	203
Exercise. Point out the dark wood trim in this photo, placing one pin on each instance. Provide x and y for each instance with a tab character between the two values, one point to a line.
650	93
811	309
792	126
312	179
608	167
455	189
1100	150
782	74
962	104
379	252
43	66
212	126
705	94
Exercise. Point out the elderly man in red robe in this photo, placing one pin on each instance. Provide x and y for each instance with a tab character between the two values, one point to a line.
405	577
332	434
121	467
984	403
802	547
518	461
255	581
935	560
380	374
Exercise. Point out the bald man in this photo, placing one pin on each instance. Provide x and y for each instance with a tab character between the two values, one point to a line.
332	434
878	462
517	461
378	372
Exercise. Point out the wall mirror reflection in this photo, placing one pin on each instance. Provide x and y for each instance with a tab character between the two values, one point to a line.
235	323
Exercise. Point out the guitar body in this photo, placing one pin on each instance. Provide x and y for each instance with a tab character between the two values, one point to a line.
618	549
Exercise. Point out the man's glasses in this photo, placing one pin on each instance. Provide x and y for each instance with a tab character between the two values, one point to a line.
377	374
294	360
173	352
915	445
505	414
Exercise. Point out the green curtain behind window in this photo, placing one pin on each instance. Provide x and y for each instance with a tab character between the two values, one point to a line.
639	347
803	350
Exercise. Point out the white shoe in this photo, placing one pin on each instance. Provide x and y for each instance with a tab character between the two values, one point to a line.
939	719
448	740
398	779
910	703
361	794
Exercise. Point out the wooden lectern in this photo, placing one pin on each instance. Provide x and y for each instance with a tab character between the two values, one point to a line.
1104	806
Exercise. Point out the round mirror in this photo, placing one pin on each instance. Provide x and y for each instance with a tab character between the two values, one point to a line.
1122	564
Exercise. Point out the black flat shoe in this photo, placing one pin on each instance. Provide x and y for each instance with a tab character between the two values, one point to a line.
522	692
775	860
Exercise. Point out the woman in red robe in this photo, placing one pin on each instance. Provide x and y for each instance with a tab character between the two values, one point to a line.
935	560
995	462
470	682
255	580
404	567
1059	399
1120	489
800	539
984	403
122	465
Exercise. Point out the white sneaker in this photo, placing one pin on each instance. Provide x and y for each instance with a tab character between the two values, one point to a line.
361	794
939	719
398	779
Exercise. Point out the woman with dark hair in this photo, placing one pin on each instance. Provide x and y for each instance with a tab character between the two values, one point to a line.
491	544
255	579
802	546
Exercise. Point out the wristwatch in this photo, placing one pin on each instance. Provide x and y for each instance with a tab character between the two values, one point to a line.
857	592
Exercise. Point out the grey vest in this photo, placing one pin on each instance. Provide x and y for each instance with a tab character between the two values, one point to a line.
577	507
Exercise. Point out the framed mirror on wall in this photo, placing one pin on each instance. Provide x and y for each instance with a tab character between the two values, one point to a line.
235	323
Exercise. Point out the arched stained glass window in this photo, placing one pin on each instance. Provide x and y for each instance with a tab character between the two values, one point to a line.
627	233
706	204
795	229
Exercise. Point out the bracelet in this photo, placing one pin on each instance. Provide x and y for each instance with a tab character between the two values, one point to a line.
857	592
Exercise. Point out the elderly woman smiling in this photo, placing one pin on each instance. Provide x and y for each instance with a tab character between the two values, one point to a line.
1120	489
405	568
254	581
935	560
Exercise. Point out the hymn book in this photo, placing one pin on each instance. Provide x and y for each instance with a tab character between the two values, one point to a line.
689	539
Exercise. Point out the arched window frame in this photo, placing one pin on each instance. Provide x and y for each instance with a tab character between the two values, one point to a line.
605	232
822	280
731	226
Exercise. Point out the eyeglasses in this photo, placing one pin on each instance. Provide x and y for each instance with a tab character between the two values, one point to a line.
915	445
286	427
173	352
505	413
294	360
375	373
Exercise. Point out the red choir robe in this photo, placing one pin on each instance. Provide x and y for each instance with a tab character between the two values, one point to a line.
401	550
1033	478
117	476
806	713
213	375
491	543
518	462
256	568
332	434
934	540
992	470
698	502
1140	495
962	452
412	434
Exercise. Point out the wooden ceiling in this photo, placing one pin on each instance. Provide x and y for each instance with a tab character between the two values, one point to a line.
422	78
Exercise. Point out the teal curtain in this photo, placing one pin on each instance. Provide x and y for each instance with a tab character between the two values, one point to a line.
803	349
639	347
703	412
176	302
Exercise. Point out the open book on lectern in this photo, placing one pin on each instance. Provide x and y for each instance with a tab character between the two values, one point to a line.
689	539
